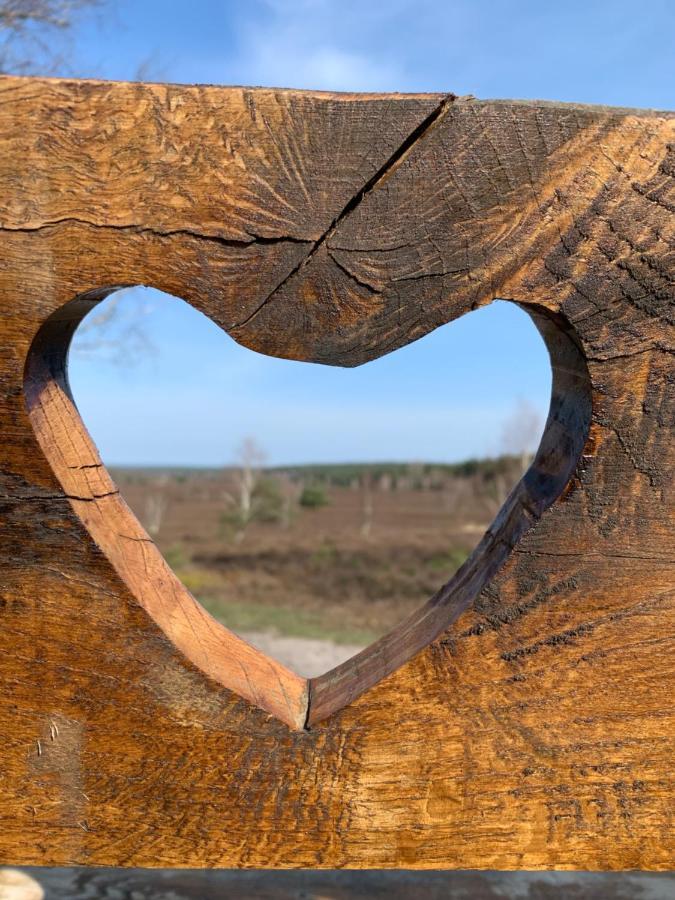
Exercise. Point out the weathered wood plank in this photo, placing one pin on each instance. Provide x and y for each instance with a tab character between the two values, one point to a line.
523	717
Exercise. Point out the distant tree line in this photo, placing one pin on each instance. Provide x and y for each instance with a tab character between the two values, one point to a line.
403	475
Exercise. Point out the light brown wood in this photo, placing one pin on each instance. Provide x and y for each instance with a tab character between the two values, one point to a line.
217	652
522	718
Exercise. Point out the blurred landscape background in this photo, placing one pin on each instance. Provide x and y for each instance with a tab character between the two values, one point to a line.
329	556
310	509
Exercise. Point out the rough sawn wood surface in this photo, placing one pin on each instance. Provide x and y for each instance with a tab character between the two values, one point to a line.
524	717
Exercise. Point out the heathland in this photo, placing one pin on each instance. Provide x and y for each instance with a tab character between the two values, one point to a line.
336	554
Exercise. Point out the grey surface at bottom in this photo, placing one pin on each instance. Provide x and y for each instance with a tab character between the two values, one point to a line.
176	884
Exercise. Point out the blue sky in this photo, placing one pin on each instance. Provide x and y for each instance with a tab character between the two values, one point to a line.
448	395
195	394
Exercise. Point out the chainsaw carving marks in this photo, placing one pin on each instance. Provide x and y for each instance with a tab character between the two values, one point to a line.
522	718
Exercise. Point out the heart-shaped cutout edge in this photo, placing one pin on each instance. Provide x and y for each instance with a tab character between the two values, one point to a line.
215	650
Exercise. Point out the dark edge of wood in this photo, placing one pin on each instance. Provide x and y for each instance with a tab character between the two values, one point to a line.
561	447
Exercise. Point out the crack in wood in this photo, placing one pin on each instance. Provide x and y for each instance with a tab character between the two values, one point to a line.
134	228
414	138
430	749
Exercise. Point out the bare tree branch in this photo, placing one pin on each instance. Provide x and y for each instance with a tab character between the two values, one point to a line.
521	432
155	508
114	330
249	459
28	29
31	42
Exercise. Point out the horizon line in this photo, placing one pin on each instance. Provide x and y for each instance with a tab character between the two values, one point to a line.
307	465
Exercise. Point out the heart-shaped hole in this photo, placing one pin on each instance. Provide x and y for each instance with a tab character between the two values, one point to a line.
311	562
216	650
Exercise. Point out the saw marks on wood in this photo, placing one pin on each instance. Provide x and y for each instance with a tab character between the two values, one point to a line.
523	718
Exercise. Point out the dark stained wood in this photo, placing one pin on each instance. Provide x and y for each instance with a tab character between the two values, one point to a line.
523	717
135	884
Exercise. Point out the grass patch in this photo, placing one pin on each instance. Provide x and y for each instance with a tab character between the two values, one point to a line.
242	617
448	562
199	581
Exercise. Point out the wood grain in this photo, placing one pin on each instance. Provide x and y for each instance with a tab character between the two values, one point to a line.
523	717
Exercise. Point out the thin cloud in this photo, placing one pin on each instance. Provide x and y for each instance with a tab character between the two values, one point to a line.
302	46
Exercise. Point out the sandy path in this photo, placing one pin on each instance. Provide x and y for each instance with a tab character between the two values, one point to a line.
306	656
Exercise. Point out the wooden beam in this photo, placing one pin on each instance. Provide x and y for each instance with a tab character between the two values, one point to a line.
521	718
